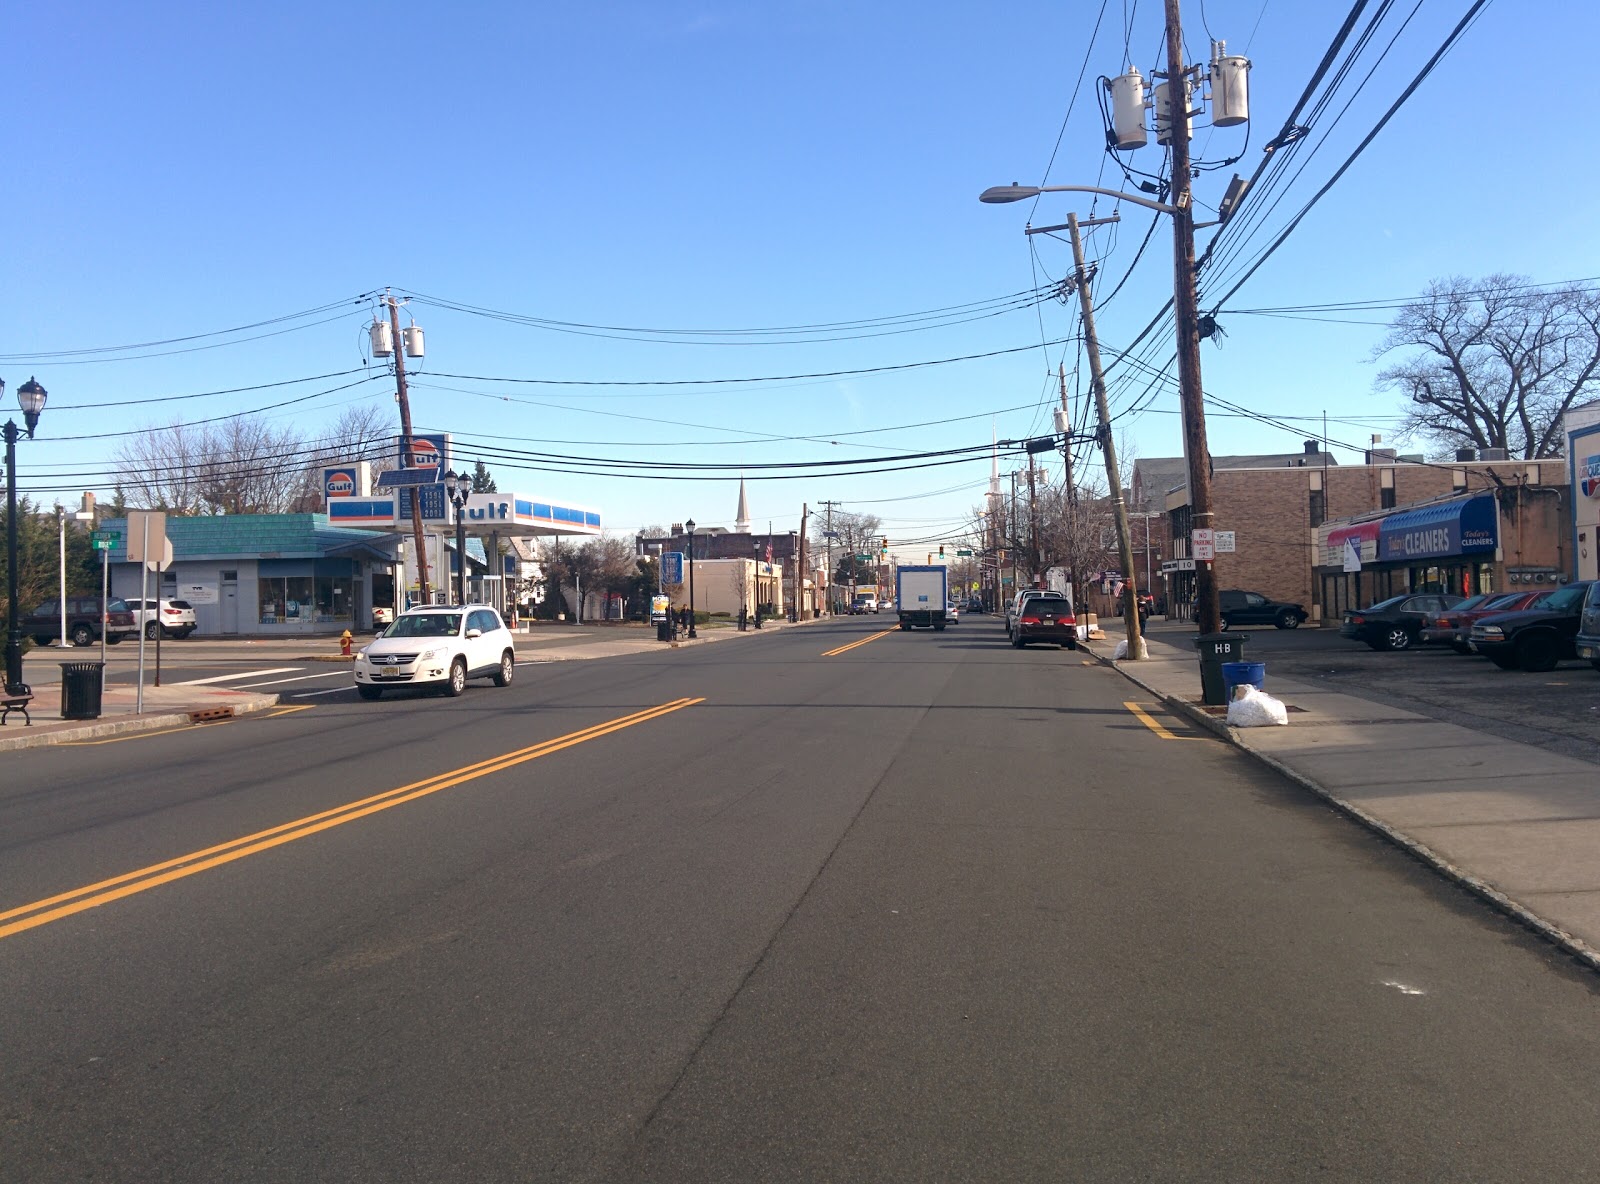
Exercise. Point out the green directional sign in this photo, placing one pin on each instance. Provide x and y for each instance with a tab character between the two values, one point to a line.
966	553
864	558
105	540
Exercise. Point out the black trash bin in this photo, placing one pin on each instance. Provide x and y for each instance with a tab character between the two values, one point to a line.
1215	649
81	684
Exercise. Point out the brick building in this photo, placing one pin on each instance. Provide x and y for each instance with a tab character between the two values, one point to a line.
1290	524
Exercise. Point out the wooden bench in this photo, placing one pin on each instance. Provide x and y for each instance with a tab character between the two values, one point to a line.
16	698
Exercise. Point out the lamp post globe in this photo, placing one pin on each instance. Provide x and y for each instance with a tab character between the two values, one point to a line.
457	486
689	530
31	397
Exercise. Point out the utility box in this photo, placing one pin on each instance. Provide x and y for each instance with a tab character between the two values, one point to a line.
920	596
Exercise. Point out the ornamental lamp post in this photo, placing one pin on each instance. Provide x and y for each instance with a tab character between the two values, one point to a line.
755	545
31	396
689	529
457	486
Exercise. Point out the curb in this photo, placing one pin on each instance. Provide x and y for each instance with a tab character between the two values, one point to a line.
95	729
1578	949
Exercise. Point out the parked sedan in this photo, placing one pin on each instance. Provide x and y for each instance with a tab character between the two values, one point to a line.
1534	638
1453	626
1396	623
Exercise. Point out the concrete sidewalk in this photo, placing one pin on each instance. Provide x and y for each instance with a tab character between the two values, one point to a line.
186	703
1516	825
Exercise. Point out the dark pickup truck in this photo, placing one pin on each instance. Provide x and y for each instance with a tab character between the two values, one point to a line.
1534	638
1252	608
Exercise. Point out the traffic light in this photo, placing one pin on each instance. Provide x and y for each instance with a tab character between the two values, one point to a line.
883	545
941	550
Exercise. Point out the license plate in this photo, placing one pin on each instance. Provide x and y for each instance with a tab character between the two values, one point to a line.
386	674
1049	620
1588	651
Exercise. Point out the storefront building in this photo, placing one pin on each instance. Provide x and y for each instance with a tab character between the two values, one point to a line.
1582	427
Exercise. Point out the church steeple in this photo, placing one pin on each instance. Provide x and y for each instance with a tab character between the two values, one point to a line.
741	520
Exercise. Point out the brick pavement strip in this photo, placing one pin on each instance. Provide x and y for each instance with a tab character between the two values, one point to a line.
1512	823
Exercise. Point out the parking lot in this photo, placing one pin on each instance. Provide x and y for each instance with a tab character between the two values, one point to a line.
1559	711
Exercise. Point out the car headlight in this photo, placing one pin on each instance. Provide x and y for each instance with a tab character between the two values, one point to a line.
430	655
1491	631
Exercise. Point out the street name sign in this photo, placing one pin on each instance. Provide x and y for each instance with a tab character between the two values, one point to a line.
105	540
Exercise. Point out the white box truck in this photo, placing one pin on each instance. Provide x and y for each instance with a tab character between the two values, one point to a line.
920	596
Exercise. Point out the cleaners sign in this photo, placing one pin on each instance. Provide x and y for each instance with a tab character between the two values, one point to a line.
1451	528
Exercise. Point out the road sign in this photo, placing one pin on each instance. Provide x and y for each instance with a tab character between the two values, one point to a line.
959	554
1203	544
105	540
864	558
1225	541
672	567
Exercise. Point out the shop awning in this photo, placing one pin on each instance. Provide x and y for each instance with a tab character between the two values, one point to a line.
1464	526
1362	532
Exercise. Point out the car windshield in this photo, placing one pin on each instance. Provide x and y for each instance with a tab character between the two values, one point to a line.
425	625
1563	600
1474	601
117	606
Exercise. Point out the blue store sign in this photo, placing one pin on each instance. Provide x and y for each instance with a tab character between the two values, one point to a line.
1465	526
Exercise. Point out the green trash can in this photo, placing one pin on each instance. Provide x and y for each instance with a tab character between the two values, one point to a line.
1215	649
81	686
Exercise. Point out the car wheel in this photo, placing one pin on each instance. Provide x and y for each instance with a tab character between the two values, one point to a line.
1504	661
508	665
906	627
1017	643
1461	647
1288	619
182	633
367	692
40	639
151	630
1538	652
1595	662
939	628
82	635
457	682
1397	637
113	638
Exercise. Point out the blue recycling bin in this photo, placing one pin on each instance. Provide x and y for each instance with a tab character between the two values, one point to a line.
1240	674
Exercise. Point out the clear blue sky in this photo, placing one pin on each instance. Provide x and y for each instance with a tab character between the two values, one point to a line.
183	168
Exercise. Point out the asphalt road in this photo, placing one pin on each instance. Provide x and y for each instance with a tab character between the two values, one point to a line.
927	908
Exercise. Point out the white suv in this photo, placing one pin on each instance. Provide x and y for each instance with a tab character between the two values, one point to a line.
440	647
176	616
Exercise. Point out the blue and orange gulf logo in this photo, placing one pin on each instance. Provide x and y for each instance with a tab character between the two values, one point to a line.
1590	481
425	454
339	483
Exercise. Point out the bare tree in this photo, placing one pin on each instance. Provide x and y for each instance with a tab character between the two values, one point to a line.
1494	363
160	468
857	534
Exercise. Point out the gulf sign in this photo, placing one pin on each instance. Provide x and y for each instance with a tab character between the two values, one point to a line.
1589	482
350	480
426	452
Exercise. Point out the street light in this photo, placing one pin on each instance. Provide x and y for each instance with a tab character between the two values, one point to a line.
458	486
31	397
755	594
689	528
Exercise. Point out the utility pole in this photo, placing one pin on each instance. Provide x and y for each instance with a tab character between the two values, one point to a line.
1119	509
798	558
1072	485
1185	312
406	442
827	547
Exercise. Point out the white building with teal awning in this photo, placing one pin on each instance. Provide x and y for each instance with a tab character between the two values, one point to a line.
267	574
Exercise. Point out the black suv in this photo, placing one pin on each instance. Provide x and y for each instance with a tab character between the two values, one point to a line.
43	624
1534	638
1252	608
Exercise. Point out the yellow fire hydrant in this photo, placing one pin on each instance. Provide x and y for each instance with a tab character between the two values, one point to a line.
345	639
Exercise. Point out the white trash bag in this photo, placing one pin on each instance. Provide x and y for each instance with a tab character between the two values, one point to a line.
1121	651
1255	709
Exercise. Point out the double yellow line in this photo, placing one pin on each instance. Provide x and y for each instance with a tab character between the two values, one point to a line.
847	648
54	908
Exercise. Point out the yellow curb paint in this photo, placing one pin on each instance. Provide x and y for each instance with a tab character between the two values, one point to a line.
78	900
844	649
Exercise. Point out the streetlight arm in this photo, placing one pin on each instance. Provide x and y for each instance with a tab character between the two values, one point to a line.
1001	194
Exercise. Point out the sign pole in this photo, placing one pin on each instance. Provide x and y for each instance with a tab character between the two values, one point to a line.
105	586
144	570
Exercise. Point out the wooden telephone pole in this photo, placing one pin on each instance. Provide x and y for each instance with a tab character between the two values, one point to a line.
407	442
1119	509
